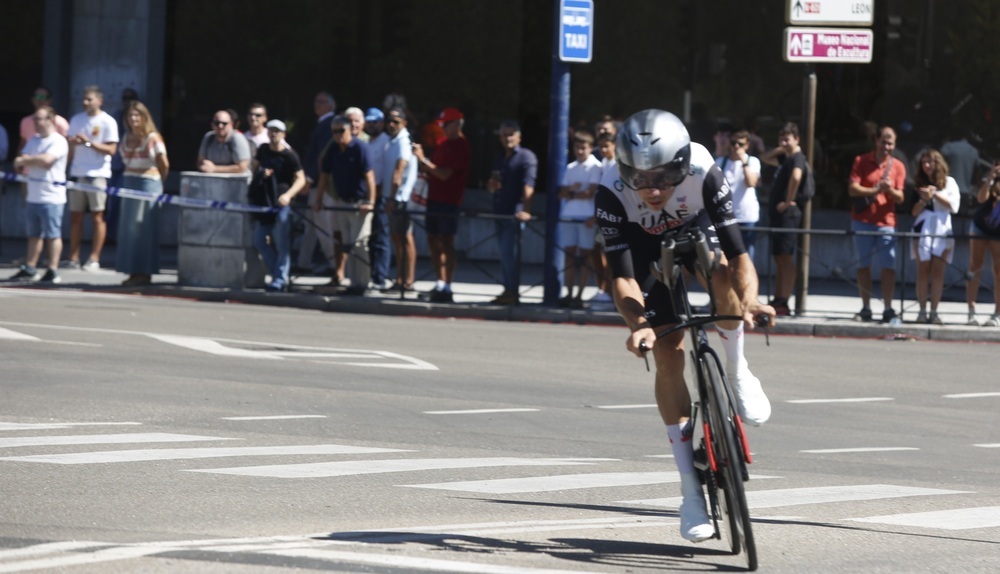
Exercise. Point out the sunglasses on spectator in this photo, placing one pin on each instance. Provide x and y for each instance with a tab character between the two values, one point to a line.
220	124
339	130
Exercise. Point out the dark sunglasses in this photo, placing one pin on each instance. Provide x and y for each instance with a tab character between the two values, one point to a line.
339	130
220	124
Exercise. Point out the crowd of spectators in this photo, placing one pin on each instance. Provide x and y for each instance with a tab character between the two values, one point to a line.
363	174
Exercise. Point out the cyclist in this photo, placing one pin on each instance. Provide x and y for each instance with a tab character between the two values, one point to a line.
665	183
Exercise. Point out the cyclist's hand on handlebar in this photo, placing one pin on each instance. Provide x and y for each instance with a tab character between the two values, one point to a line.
640	341
758	315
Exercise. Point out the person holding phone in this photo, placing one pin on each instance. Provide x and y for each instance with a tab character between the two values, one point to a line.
878	179
985	232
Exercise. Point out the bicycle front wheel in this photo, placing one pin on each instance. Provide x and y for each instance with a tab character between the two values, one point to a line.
728	458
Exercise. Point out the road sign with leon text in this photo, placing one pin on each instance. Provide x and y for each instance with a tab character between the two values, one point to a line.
576	30
828	45
830	12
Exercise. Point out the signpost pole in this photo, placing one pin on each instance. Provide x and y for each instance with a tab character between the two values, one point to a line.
809	129
558	143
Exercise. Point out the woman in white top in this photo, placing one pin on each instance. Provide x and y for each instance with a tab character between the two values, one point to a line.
937	198
146	166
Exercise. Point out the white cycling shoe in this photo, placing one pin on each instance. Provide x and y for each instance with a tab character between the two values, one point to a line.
696	526
753	405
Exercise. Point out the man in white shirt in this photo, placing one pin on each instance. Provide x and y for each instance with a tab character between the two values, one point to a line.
93	139
257	134
44	158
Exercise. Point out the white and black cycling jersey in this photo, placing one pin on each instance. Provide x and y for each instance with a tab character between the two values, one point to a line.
633	232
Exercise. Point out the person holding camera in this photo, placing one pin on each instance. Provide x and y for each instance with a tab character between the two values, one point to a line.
985	232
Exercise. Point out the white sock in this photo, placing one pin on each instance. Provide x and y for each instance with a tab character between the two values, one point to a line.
732	344
680	445
439	285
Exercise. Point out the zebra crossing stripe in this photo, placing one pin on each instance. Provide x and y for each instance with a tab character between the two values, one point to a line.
143	455
956	519
758	499
53	426
409	563
554	483
351	468
104	439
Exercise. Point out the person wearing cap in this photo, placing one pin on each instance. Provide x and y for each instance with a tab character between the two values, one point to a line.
379	244
346	172
277	179
447	173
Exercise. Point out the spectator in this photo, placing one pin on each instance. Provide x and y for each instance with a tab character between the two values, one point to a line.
144	156
447	173
224	149
347	165
41	98
512	183
602	273
784	211
756	147
379	242
277	179
257	135
397	184
44	157
742	170
93	140
319	225
962	158
576	216
876	186
111	214
937	198
985	232
357	119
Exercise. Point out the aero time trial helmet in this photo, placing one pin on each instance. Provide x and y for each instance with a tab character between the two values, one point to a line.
653	150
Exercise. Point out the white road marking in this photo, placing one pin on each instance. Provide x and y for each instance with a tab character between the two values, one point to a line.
212	346
859	449
481	411
15	336
47	548
49	426
103	439
79	558
988	445
143	455
850	400
274	418
351	468
757	499
972	395
957	519
411	562
651	406
261	349
554	483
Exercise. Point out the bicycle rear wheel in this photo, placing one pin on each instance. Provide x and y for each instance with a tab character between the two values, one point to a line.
729	458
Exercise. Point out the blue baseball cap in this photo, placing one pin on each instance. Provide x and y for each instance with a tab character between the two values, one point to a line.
374	115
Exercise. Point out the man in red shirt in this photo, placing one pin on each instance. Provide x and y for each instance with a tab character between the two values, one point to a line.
876	186
447	172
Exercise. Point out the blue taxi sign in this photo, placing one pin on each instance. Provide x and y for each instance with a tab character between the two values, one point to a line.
576	30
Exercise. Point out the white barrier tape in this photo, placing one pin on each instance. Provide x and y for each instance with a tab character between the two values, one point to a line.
160	198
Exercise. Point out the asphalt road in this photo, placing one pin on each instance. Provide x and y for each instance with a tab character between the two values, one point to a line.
162	435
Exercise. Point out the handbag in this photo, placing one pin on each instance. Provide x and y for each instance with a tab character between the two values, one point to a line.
417	204
987	217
